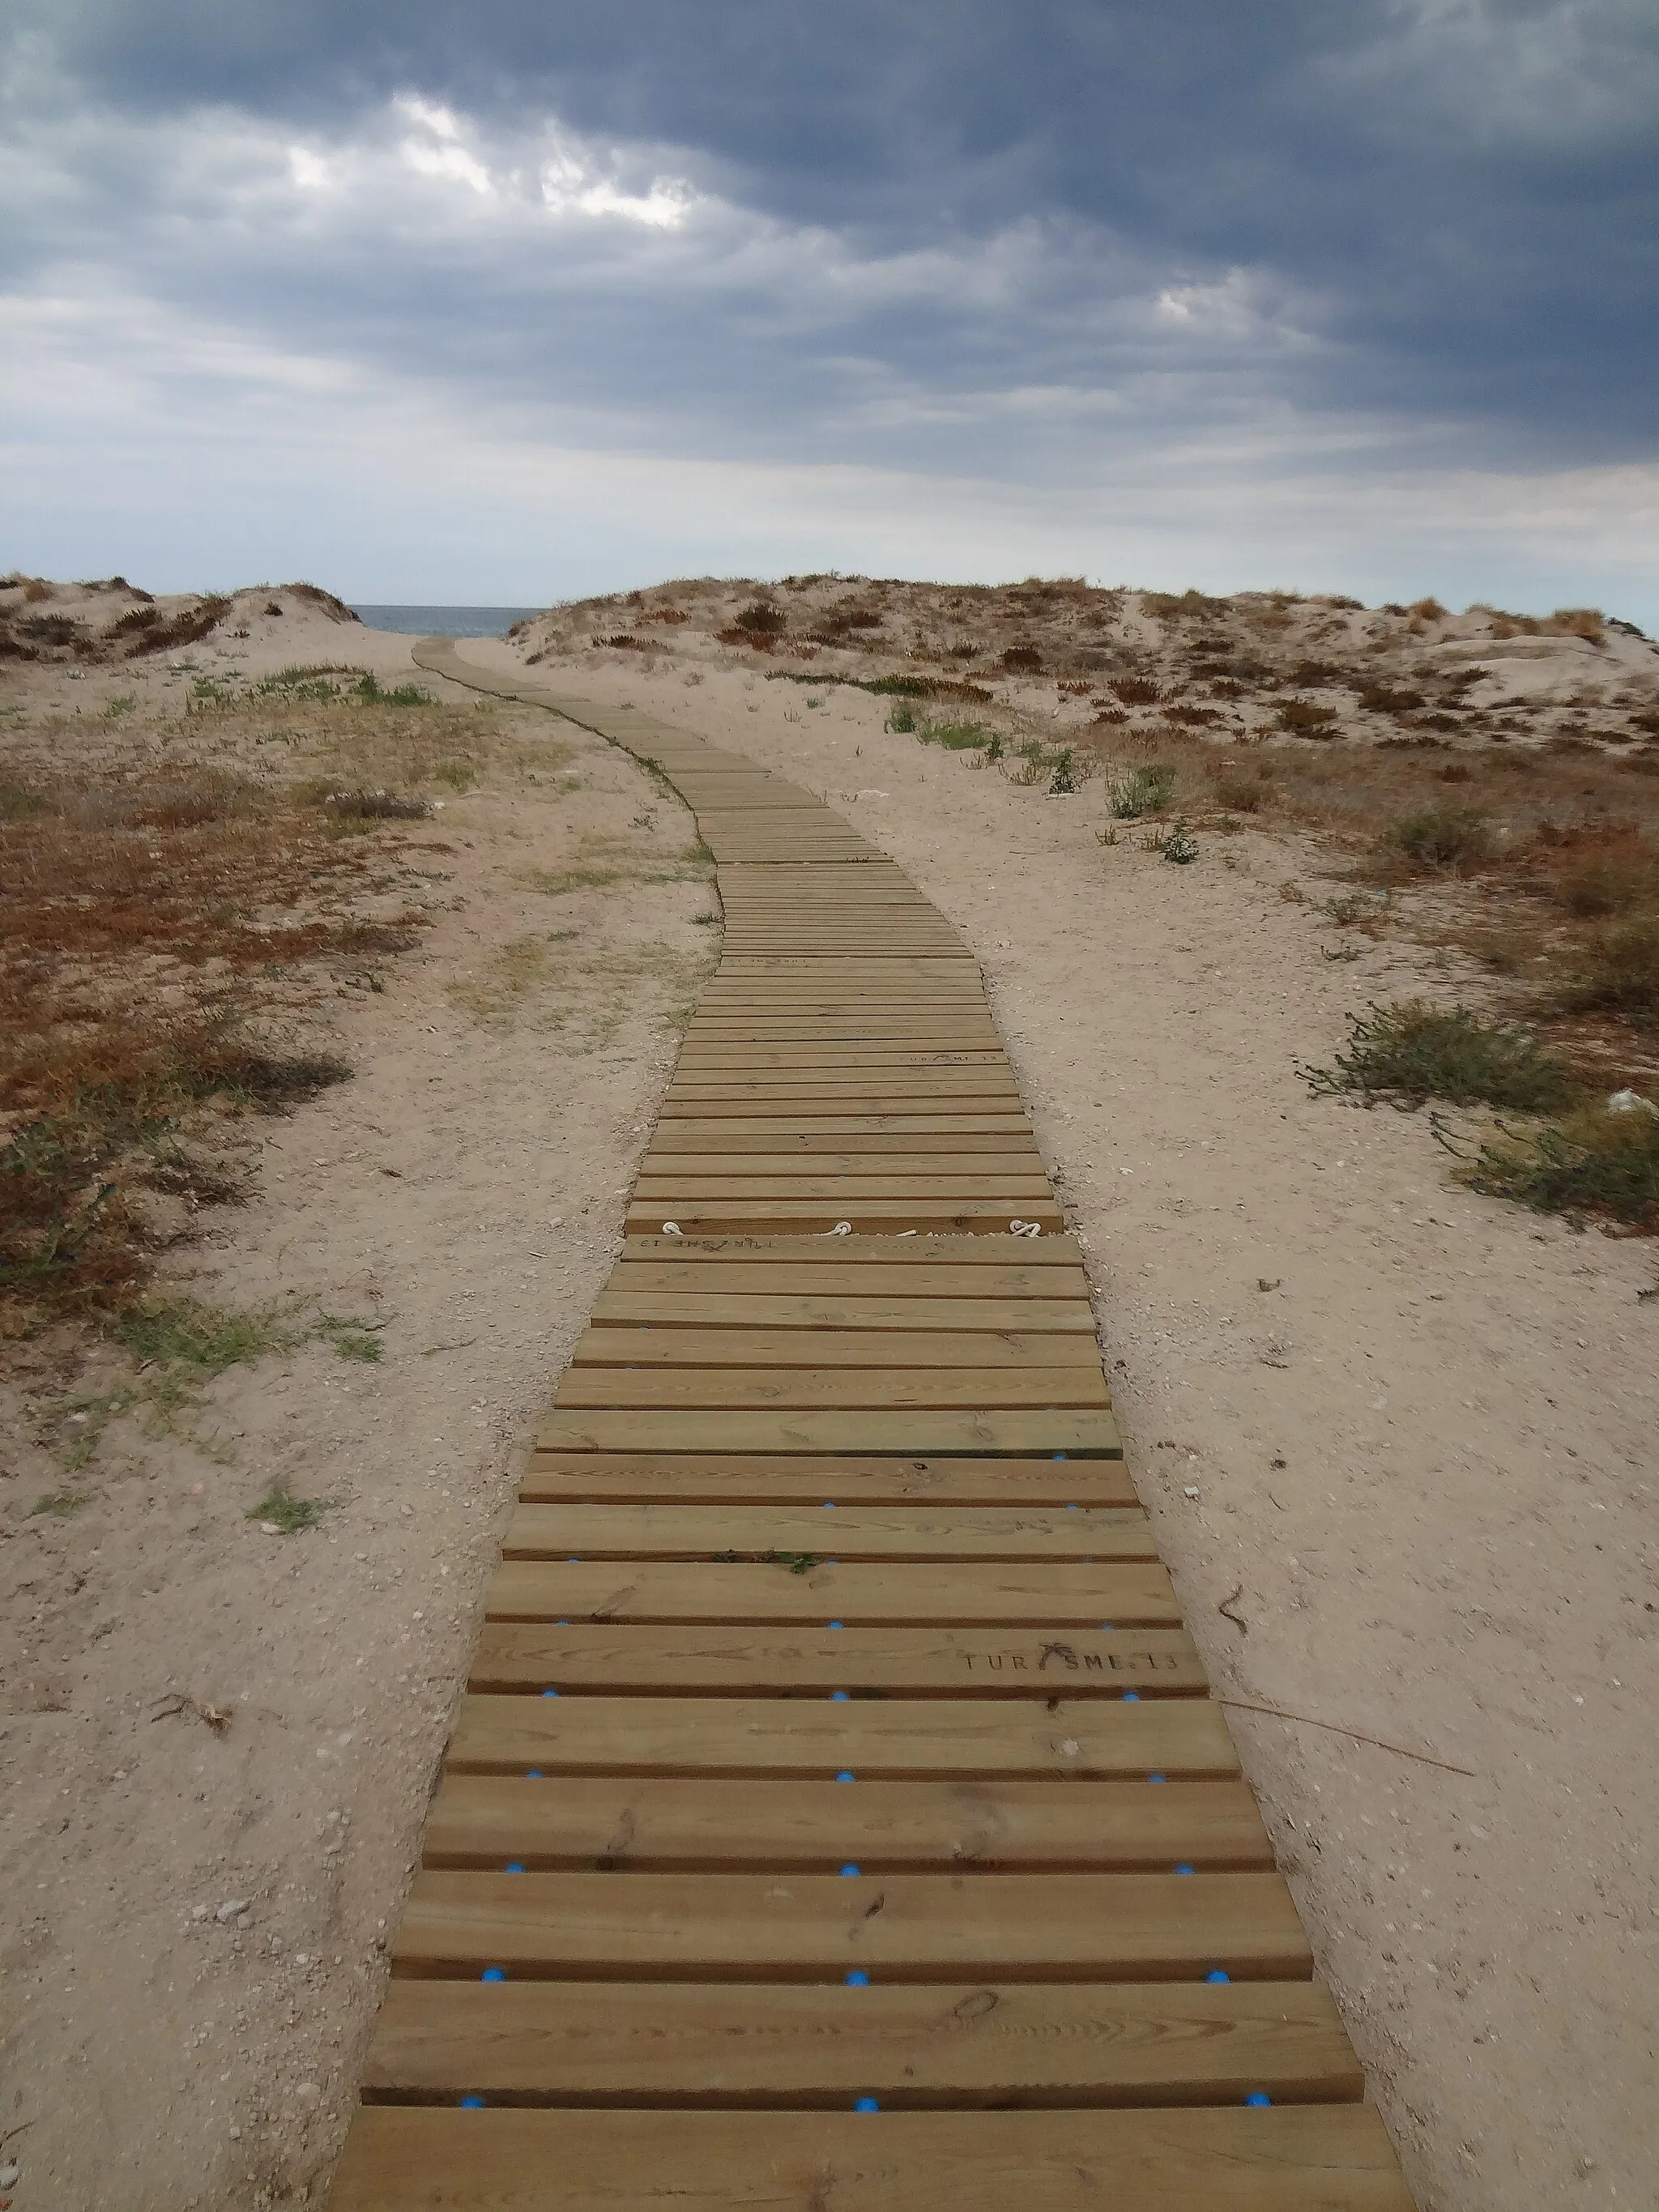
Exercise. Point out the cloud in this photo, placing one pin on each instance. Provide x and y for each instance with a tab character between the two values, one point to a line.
1297	263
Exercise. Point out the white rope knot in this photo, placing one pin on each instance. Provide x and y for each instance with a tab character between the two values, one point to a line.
1025	1228
672	1229
841	1229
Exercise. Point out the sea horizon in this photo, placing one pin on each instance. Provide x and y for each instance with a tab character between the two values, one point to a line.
419	621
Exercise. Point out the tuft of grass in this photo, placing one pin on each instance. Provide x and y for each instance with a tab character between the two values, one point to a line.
1444	837
601	861
1617	972
1411	1051
1593	1161
1063	783
903	720
457	774
60	1502
279	1509
203	1339
955	737
1146	790
1300	718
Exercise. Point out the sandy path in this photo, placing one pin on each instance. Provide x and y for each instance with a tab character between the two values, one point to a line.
1422	1458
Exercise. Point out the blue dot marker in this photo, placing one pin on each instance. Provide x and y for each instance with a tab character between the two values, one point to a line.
1156	1778
550	1693
838	1697
472	2104
516	1866
1184	1868
867	2104
837	1624
847	1775
1106	1628
1258	2097
574	1560
1074	1508
492	1974
828	1505
532	1774
1060	1455
849	1868
1132	1697
858	1979
1216	1974
562	1624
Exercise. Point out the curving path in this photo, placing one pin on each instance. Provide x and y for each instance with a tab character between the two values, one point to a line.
837	1820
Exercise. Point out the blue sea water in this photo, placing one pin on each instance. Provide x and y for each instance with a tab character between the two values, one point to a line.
443	621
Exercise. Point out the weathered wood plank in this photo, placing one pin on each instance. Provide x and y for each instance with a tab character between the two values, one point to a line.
909	1662
687	1477
1081	1434
895	1738
1307	2158
685	1823
913	1533
643	1344
952	1594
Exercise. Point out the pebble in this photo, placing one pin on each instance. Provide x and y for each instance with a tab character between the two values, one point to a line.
10	2174
233	1908
269	1528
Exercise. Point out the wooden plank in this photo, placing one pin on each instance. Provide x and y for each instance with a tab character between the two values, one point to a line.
1294	2158
611	1660
744	1167
812	1217
857	1389
914	1927
1029	1322
1082	1434
894	1738
916	1532
661	1183
745	1274
960	1593
687	1477
644	1345
1022	1253
771	2046
673	1822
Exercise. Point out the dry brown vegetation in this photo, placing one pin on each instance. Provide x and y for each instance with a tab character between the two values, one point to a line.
180	897
1487	781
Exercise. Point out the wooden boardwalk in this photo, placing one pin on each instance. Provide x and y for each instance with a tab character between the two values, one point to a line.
836	1820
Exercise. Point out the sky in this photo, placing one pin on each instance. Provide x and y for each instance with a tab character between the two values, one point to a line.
525	300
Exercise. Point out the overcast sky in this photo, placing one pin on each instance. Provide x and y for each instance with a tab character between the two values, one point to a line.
524	299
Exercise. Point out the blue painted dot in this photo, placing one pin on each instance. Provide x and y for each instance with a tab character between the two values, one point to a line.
1156	1778
1060	1455
837	1624
838	1697
492	1974
550	1693
1216	1974
562	1624
1074	1508
1258	2097
849	1868
472	2104
1105	1627
533	1774
867	2104
574	1560
516	1866
857	1980
1132	1697
828	1505
1184	1868
847	1775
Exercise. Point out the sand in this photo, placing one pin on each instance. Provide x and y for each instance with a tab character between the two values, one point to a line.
1415	1467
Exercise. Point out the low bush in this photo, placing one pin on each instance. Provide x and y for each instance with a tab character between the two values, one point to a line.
1444	837
1146	790
1617	972
1596	1161
1411	1051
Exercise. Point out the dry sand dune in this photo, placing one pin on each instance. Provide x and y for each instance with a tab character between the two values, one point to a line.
1397	1436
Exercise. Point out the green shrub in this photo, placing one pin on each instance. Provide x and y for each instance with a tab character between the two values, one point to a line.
1411	1051
1440	836
1147	789
1596	1161
1617	972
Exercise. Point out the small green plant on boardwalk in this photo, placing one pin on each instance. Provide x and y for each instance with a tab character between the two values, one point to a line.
1411	1052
